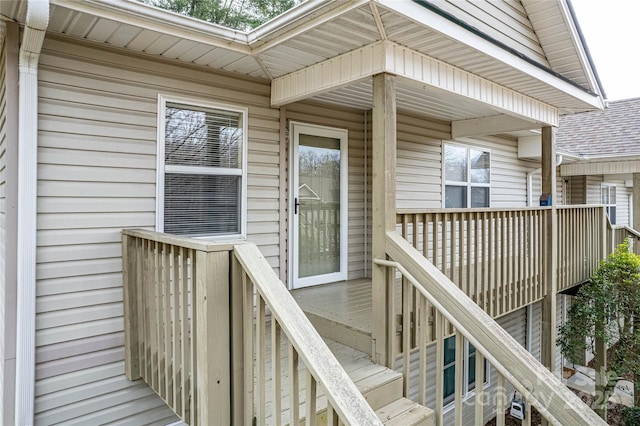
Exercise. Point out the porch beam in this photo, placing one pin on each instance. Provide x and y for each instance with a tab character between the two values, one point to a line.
425	72
600	168
384	206
490	125
550	250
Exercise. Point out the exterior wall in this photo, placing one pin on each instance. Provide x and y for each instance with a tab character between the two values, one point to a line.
419	174
97	174
353	121
515	324
577	189
593	194
503	20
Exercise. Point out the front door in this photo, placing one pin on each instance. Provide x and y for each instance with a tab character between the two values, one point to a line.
318	205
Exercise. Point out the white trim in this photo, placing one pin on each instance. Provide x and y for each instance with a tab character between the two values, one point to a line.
296	128
422	71
468	184
161	168
33	38
424	17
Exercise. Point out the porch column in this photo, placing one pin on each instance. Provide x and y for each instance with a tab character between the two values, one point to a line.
549	332
384	206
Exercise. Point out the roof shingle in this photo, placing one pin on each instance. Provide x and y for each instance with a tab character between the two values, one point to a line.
612	131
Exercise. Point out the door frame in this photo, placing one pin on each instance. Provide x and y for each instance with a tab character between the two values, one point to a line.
295	129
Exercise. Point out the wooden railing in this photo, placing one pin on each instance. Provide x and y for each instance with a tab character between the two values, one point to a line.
440	307
582	243
494	256
195	330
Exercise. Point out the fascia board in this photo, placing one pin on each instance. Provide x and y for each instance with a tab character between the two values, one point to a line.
162	21
423	16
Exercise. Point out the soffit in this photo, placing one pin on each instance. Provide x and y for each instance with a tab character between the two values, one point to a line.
330	29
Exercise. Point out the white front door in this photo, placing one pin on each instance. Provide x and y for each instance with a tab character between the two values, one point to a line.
318	205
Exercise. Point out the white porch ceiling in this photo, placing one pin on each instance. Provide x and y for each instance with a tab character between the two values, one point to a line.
318	31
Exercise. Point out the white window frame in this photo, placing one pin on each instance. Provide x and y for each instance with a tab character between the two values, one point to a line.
161	168
610	187
467	184
466	392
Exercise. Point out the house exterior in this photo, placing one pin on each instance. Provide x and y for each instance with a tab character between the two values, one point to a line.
601	148
313	136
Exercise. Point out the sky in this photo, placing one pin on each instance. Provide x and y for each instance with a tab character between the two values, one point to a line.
612	31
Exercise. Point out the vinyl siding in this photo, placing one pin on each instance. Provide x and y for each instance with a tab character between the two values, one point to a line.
515	324
593	194
97	175
503	20
353	122
419	166
577	189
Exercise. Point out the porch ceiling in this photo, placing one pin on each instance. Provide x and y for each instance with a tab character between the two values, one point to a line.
316	31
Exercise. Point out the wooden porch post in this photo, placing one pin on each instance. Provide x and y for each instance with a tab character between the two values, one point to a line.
549	331
384	206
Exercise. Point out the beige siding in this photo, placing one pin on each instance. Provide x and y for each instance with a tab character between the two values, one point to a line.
97	175
503	20
419	173
353	121
593	194
577	189
515	324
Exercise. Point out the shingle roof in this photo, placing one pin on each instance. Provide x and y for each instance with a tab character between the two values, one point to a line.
612	131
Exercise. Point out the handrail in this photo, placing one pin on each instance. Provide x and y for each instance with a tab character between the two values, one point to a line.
545	392
344	396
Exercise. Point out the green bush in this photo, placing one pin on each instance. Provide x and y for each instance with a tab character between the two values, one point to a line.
631	416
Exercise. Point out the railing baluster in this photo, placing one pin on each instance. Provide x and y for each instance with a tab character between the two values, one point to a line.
422	344
176	349
184	334
439	403
276	377
247	321
459	381
193	338
168	359
294	387
479	388
311	399
500	400
406	334
260	360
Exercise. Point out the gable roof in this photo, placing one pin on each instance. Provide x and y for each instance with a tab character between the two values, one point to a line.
319	30
614	131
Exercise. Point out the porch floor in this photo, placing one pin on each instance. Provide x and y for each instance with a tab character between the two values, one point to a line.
340	311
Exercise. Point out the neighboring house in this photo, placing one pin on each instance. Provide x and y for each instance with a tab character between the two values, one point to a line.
602	149
118	115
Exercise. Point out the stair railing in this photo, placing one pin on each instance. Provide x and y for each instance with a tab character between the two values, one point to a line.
454	312
196	323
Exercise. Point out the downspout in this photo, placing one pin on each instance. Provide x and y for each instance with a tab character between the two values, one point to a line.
35	27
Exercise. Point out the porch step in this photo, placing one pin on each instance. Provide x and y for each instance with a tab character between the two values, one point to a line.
381	387
404	412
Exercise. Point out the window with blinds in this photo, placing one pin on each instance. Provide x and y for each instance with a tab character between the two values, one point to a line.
203	170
